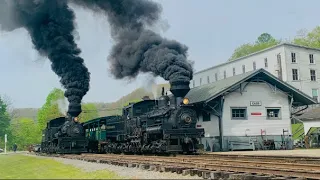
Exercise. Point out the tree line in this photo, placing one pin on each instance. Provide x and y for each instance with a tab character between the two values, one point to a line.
265	40
27	131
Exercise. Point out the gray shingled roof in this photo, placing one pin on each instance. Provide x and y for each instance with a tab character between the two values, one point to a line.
210	91
313	114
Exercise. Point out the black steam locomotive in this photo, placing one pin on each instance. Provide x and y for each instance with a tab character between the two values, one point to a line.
64	135
166	125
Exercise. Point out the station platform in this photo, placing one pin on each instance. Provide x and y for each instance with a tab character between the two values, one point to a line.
280	153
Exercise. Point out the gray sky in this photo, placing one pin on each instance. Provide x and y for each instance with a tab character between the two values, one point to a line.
211	29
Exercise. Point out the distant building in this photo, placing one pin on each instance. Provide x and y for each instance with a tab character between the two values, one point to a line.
247	111
297	65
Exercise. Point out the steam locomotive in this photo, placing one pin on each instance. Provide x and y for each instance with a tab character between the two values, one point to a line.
64	135
166	125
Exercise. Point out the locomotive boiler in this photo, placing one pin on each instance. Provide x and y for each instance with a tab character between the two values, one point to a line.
64	135
165	125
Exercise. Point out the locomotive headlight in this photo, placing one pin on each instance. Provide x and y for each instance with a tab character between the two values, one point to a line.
75	119
185	101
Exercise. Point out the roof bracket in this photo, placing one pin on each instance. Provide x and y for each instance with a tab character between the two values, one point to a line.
213	108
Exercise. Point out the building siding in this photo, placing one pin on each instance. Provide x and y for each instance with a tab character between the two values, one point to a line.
259	59
303	65
256	92
253	92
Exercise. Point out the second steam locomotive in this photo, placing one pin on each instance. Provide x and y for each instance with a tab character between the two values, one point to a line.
165	125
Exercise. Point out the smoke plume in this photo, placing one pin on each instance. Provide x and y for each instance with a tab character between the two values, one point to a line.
137	48
50	24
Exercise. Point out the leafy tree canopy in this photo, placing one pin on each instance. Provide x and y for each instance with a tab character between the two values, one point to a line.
311	39
4	119
89	111
25	132
50	109
264	41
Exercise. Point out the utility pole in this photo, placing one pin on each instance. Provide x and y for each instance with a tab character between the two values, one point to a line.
5	143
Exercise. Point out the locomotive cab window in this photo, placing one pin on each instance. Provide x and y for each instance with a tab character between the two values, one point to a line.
239	113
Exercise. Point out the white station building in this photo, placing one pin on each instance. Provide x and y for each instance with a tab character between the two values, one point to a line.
297	65
251	110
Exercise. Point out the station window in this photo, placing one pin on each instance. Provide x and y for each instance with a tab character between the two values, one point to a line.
315	94
273	113
234	71
293	57
313	75
311	59
224	74
265	62
238	113
254	65
205	116
208	79
243	68
216	76
295	75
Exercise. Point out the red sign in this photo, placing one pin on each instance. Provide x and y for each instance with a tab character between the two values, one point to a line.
256	113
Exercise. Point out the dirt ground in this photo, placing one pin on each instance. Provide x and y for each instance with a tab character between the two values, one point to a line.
297	152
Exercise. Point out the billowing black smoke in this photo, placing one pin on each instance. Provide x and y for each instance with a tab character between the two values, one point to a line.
50	24
138	49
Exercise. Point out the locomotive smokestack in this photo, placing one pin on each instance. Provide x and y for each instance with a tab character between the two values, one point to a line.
180	89
74	111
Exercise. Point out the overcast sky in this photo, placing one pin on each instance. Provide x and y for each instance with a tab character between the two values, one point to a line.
211	29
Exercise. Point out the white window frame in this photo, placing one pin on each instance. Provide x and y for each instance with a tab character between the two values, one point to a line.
293	57
315	75
297	75
311	55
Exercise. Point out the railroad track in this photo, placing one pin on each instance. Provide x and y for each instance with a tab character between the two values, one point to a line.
214	167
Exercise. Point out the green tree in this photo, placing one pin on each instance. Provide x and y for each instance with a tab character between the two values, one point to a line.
89	111
25	132
264	41
4	120
311	39
50	109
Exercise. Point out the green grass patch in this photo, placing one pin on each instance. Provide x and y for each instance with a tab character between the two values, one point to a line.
28	167
297	130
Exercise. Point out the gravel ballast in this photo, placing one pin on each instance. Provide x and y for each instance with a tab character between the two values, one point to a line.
130	173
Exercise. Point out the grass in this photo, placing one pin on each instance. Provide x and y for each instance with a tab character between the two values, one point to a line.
295	130
27	167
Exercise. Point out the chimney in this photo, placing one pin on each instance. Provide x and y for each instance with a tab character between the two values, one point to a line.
180	89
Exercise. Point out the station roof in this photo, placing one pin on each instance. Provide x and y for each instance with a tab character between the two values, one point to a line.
208	92
311	115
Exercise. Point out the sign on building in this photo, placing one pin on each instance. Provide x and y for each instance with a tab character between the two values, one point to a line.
255	103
